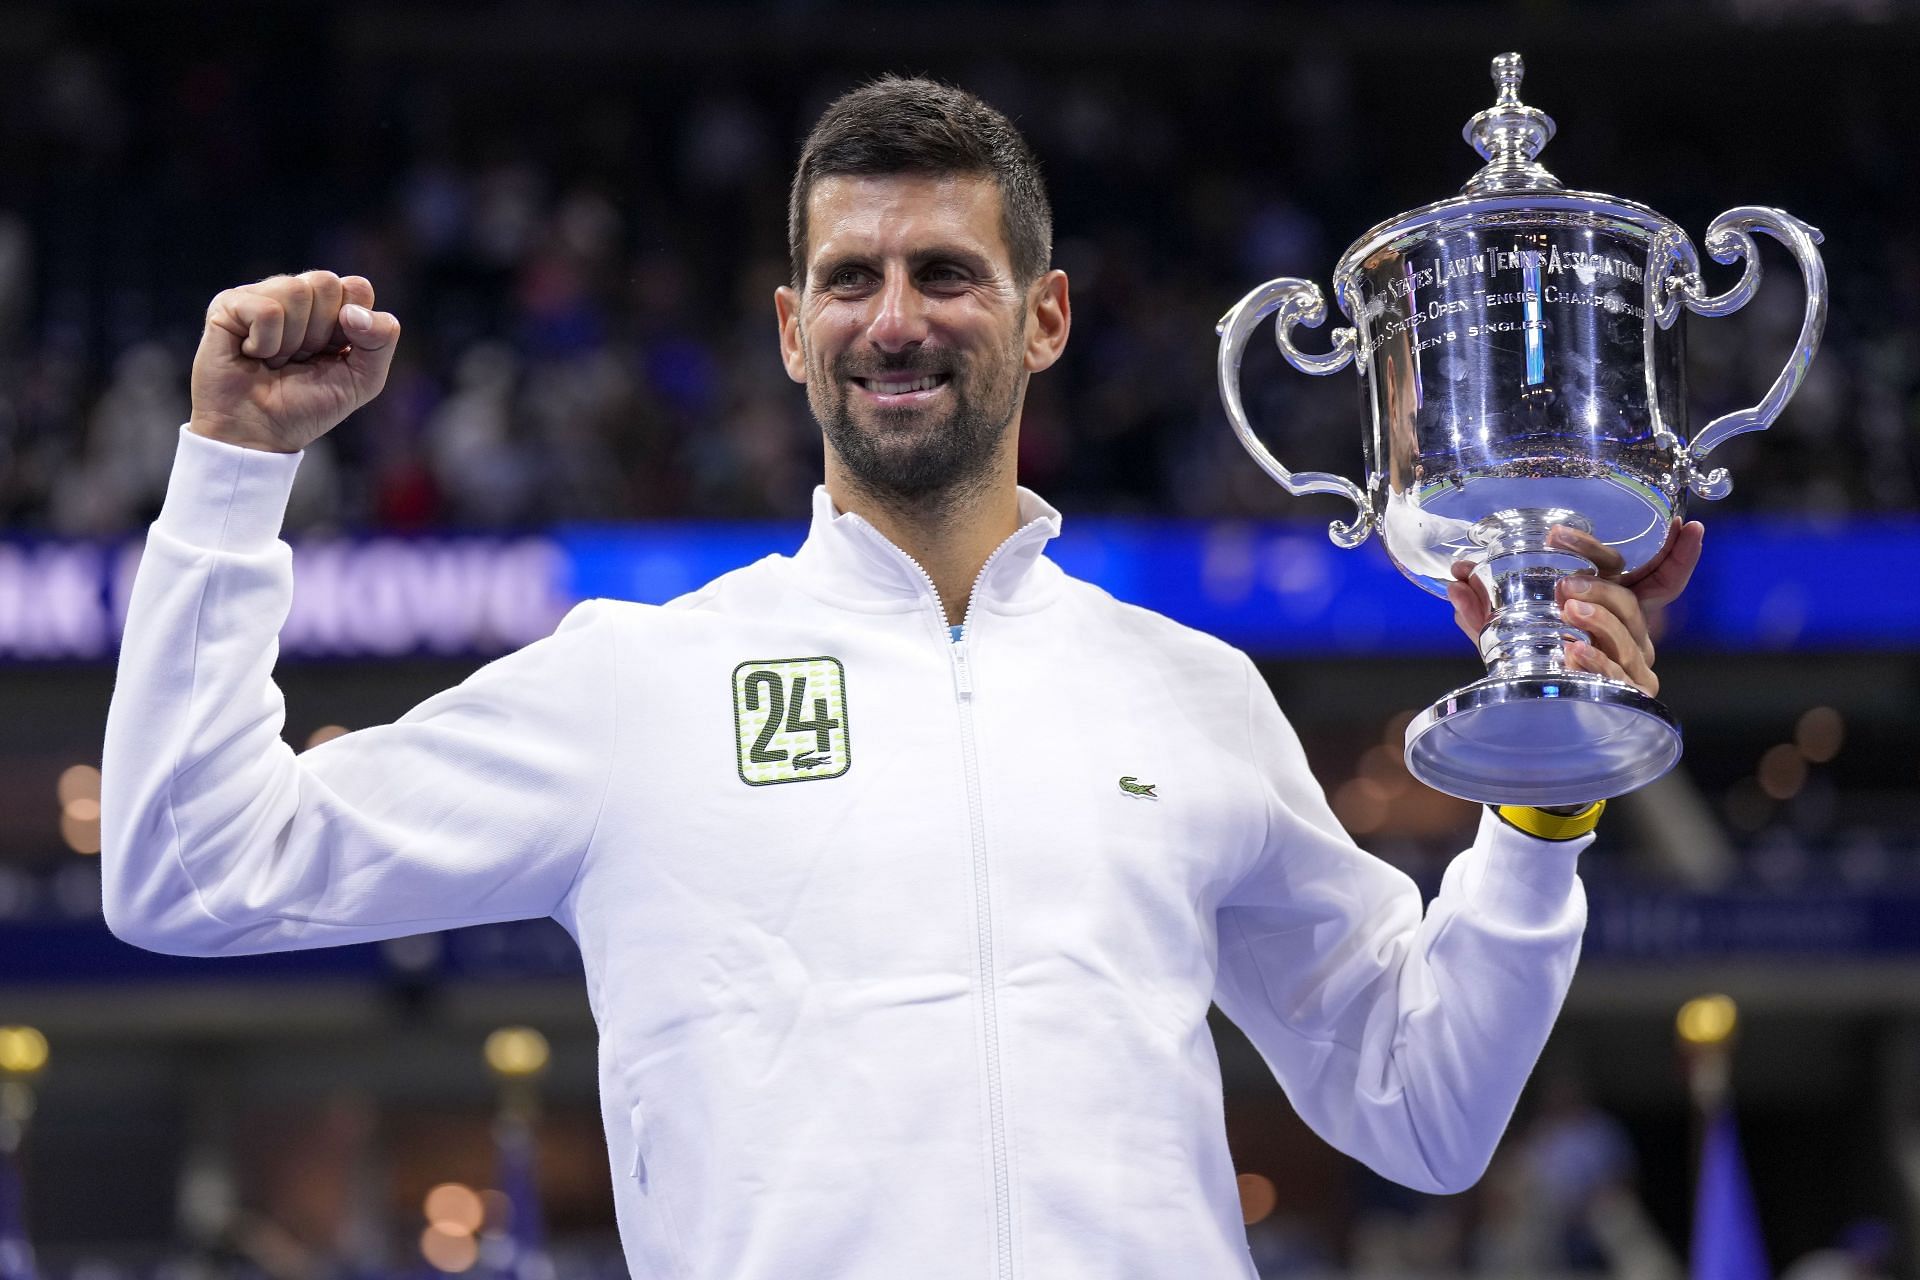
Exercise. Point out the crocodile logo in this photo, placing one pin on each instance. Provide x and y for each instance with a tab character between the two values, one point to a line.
808	760
1134	787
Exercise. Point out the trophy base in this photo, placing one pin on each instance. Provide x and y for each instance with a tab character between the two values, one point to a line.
1542	740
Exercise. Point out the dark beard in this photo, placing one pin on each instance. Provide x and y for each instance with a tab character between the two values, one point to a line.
936	468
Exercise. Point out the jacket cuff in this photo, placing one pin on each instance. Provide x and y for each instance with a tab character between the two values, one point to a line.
1524	882
221	497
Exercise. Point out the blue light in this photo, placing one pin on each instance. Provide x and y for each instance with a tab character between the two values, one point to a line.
1536	344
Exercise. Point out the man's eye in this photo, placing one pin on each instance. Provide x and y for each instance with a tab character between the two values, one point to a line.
846	278
945	273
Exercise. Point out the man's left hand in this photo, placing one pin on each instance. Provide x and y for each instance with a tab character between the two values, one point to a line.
1616	609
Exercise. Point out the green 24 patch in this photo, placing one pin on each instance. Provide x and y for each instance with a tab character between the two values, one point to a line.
790	720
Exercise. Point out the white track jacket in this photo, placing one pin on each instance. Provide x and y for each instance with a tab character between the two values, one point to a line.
900	949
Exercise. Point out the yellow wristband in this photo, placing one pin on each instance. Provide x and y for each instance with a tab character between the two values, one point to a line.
1552	826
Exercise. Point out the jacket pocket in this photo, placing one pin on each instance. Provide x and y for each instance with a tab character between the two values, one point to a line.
642	1148
653	1197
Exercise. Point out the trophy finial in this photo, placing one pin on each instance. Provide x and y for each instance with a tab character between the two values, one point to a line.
1509	135
1507	71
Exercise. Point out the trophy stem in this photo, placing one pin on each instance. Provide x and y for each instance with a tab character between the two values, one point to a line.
1526	634
1535	730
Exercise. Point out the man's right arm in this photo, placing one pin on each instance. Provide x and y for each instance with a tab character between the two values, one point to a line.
1402	1037
476	806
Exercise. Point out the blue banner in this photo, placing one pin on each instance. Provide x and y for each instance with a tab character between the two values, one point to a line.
1282	589
1287	590
1662	925
1272	589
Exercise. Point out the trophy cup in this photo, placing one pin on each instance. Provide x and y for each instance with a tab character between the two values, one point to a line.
1521	362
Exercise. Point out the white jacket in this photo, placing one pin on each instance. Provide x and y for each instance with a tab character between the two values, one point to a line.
934	1008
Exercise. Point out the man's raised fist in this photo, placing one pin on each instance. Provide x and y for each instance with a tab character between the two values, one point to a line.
282	362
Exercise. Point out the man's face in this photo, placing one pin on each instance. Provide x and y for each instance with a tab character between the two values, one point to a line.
911	334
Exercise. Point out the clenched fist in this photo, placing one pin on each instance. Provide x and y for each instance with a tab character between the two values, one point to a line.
282	362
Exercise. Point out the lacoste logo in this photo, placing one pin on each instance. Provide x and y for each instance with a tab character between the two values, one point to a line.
1134	787
808	760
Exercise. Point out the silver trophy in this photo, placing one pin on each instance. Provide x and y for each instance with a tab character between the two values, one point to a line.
1521	359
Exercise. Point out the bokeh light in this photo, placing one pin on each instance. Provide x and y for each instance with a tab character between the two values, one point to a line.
79	792
23	1050
1258	1196
449	1253
1819	734
1706	1020
1782	772
78	782
81	834
454	1208
517	1051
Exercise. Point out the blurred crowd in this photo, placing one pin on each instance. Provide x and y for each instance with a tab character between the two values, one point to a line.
585	263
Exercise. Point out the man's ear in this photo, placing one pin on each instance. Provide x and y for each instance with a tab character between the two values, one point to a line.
786	308
1049	317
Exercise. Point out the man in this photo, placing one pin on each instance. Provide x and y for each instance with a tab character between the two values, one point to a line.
904	869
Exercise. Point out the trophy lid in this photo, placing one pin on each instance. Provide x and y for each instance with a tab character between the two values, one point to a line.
1509	135
1513	183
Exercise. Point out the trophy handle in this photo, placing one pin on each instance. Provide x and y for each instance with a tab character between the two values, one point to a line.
1730	239
1298	302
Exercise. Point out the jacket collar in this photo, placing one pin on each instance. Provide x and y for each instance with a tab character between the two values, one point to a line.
848	561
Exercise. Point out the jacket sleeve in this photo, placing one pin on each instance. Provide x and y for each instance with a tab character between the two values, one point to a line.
475	806
1402	1039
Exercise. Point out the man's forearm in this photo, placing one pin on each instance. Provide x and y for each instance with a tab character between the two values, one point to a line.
193	732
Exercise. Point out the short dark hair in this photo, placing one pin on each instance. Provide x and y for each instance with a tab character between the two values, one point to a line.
897	125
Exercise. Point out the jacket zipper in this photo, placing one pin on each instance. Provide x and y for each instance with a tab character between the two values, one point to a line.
976	817
983	913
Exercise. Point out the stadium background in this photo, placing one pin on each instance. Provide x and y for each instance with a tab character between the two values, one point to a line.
578	212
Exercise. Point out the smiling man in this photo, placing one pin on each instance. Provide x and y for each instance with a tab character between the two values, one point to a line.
905	868
921	303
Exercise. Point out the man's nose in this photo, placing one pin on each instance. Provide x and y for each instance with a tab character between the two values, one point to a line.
899	315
